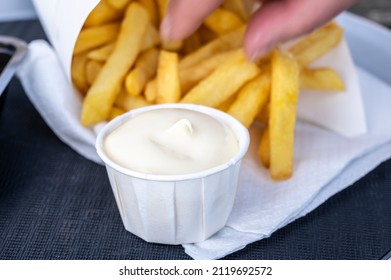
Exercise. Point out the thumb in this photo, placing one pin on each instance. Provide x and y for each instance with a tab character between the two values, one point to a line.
278	21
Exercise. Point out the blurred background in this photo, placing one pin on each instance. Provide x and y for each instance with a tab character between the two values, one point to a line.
376	10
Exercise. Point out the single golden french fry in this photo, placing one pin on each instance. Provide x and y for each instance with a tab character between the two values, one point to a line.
168	87
127	102
229	41
151	38
78	72
143	71
283	103
103	13
151	7
150	91
321	79
224	81
190	76
93	69
162	8
317	43
101	54
192	43
94	37
251	99
242	8
115	112
264	147
172	46
102	94
222	21
118	4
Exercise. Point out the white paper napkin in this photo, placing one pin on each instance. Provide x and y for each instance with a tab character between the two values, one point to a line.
325	162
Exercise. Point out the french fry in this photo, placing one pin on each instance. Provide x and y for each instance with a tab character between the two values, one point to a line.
150	6
102	94
143	71
223	82
172	46
251	99
94	37
151	38
222	21
168	87
229	41
242	8
317	43
102	14
321	79
264	147
150	92
93	69
127	102
101	54
115	112
162	7
78	72
283	102
118	4
190	76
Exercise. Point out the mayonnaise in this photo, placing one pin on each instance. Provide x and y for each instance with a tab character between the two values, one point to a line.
171	141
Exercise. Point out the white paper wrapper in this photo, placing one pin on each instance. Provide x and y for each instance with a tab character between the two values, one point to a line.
325	161
62	21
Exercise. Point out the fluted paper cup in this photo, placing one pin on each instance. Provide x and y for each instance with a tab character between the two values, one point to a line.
175	209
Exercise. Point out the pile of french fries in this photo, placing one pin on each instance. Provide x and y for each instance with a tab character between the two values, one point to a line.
120	64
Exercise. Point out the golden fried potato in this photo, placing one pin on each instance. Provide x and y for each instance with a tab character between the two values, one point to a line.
223	82
251	99
317	43
102	94
94	37
168	87
143	71
321	79
283	103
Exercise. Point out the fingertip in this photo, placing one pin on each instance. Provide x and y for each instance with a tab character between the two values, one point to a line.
184	17
165	29
257	44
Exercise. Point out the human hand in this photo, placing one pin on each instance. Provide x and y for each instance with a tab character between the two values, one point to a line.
275	22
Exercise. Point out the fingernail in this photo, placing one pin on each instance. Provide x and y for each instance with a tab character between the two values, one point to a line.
165	28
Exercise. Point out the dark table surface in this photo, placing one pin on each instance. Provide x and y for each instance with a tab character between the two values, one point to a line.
55	204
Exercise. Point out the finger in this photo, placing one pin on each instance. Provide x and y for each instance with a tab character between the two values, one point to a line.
278	21
184	17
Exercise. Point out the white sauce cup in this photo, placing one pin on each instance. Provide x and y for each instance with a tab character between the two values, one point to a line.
175	209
